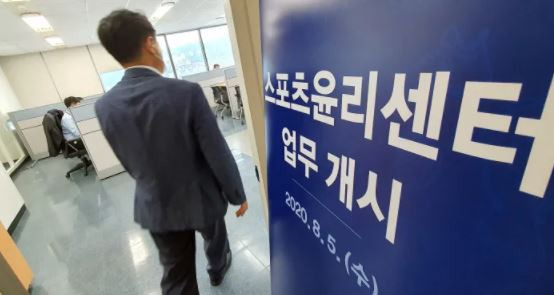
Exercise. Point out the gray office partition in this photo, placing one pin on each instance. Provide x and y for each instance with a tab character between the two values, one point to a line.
101	154
209	75
28	124
230	73
232	81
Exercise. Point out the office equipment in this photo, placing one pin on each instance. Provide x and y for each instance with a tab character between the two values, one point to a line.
240	105
221	97
232	81
56	142
222	104
110	79
75	149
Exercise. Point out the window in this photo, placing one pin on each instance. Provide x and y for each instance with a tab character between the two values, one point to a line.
186	52
109	79
165	54
217	46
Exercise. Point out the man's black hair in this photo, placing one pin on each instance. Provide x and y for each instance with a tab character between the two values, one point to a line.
68	101
123	32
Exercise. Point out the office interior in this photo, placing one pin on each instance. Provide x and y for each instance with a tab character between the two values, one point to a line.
75	234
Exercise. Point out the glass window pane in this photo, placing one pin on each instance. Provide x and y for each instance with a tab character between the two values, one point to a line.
109	79
187	53
167	61
218	46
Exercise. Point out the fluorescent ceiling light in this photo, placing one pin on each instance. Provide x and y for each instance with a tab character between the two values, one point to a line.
7	1
54	41
161	11
37	22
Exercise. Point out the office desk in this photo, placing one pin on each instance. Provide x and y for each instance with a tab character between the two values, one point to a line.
101	154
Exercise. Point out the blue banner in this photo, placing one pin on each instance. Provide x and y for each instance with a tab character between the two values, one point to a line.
410	146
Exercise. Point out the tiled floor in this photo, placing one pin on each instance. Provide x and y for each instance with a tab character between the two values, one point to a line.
229	126
240	141
79	236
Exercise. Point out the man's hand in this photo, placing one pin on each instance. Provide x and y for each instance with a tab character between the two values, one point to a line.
243	208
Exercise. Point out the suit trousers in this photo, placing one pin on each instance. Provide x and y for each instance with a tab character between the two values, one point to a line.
177	251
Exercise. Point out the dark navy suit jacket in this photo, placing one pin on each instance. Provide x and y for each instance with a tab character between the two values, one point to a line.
166	136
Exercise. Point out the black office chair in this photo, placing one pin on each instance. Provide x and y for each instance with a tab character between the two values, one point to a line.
241	105
221	98
217	100
76	149
56	142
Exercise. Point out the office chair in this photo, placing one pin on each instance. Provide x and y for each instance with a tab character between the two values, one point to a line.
221	98
217	100
241	106
56	142
76	149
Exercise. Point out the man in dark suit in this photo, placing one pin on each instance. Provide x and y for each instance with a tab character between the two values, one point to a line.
167	138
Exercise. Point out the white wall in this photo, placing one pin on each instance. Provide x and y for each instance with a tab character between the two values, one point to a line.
102	59
10	199
8	100
73	72
30	80
8	103
39	79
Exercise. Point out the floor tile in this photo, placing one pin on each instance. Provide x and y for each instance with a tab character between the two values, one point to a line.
79	236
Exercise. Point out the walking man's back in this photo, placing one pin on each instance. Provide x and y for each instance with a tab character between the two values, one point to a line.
166	136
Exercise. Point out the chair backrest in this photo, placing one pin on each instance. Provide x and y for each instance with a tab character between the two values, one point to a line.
51	123
224	95
53	131
217	93
239	97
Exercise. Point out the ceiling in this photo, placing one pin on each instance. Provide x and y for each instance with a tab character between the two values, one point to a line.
75	21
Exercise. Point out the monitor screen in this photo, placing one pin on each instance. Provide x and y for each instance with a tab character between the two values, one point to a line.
109	79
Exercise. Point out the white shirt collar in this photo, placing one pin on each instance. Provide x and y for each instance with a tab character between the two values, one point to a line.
146	67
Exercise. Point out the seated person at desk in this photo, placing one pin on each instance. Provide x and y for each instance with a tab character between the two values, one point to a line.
69	128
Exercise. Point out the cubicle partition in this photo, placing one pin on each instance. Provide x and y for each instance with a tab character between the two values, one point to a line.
232	80
28	125
101	154
28	122
214	78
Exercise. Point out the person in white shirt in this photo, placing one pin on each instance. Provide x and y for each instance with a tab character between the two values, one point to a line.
69	128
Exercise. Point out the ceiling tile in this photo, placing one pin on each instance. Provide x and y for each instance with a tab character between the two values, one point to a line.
75	21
